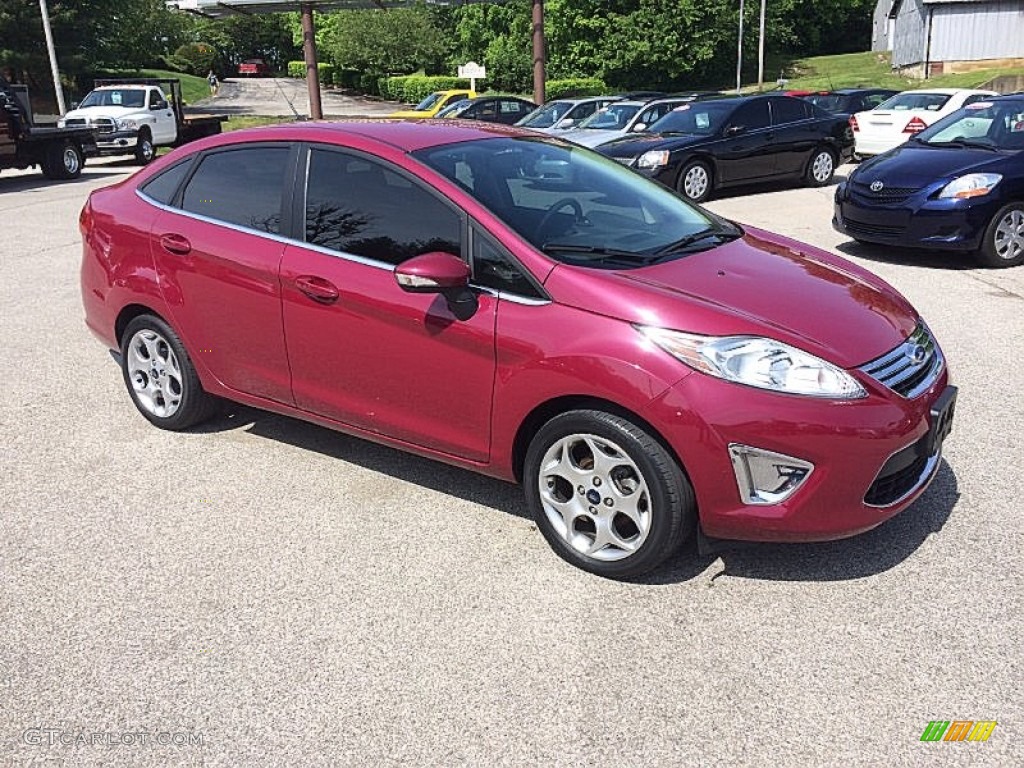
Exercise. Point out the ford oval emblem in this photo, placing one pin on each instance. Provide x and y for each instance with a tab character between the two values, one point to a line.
876	186
917	354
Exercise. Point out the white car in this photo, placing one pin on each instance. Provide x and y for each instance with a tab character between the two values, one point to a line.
129	119
562	114
897	119
619	118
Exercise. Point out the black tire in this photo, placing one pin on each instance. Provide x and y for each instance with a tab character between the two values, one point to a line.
669	502
820	168
193	404
696	181
144	149
63	161
1002	245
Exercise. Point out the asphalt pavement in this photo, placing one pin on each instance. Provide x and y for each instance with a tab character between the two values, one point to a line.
288	97
261	591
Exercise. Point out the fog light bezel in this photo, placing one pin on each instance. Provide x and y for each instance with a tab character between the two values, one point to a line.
746	482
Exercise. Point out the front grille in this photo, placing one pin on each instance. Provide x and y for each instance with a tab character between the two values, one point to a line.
886	195
103	125
855	228
900	475
912	367
75	121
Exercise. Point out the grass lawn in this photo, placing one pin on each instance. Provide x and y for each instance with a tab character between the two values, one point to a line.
235	122
192	88
849	70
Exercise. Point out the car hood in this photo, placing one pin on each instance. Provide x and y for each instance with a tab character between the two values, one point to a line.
916	165
634	145
590	137
761	284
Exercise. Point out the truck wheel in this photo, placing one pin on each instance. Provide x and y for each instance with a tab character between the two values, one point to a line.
63	161
144	149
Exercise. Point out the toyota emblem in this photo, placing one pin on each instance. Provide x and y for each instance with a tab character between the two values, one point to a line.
876	186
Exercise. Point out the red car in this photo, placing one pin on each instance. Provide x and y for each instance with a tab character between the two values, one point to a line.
526	308
254	68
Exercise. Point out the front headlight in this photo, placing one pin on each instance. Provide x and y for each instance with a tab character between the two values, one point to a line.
656	158
127	125
971	185
758	362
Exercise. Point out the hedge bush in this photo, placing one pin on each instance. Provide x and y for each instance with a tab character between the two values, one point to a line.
412	89
194	58
298	69
575	87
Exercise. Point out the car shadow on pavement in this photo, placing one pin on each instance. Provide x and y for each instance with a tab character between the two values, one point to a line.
462	483
870	553
28	183
910	257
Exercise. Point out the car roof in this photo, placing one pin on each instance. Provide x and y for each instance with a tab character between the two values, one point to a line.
405	135
582	100
945	91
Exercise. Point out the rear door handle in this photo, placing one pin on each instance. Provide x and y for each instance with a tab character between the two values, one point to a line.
173	243
318	289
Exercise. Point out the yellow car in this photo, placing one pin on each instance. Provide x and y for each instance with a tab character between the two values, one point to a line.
433	104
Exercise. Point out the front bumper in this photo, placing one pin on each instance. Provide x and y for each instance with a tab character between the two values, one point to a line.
117	143
867	146
871	457
920	221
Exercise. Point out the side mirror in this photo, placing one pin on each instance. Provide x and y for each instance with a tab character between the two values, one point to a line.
74	105
640	127
443	273
735	130
567	123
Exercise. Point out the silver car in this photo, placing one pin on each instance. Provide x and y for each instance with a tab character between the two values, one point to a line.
623	117
562	114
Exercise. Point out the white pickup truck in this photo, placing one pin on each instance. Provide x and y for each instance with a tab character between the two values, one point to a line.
134	117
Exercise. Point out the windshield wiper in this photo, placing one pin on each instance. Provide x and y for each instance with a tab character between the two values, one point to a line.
599	252
722	235
963	144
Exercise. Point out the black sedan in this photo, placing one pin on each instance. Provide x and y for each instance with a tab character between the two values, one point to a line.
955	186
849	101
490	109
703	146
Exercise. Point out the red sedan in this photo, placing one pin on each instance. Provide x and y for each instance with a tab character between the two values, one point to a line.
528	309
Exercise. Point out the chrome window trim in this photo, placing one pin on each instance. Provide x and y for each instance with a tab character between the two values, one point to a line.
352	257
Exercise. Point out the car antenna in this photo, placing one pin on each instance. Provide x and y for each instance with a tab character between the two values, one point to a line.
829	78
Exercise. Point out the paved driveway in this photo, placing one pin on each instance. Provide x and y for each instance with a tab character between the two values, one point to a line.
287	97
266	592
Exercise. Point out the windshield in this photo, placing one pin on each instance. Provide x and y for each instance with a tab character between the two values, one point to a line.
830	102
930	102
701	118
430	101
995	124
574	204
614	117
115	97
451	109
546	116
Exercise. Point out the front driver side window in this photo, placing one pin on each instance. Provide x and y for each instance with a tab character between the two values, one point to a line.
752	116
359	206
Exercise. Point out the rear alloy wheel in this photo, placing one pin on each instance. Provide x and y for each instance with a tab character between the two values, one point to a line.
695	181
1002	244
144	149
63	161
160	377
607	496
821	168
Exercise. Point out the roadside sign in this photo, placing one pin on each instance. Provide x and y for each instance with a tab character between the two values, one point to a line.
472	71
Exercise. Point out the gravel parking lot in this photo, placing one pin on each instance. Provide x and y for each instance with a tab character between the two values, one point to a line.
267	592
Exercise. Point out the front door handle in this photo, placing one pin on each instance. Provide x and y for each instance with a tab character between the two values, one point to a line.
173	243
318	289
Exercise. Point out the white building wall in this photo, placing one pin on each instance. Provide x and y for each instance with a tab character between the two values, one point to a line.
974	31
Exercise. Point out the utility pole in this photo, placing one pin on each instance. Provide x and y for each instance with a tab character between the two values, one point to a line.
539	52
739	53
760	52
53	57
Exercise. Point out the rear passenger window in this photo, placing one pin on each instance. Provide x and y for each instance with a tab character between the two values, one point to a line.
240	186
163	186
358	206
788	111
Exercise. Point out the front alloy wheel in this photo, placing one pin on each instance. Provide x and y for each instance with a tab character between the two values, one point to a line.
695	181
821	169
606	494
1003	242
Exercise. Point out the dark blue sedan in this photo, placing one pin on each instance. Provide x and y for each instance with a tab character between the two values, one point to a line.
958	185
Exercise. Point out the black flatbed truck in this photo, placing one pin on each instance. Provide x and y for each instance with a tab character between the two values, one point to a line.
59	152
